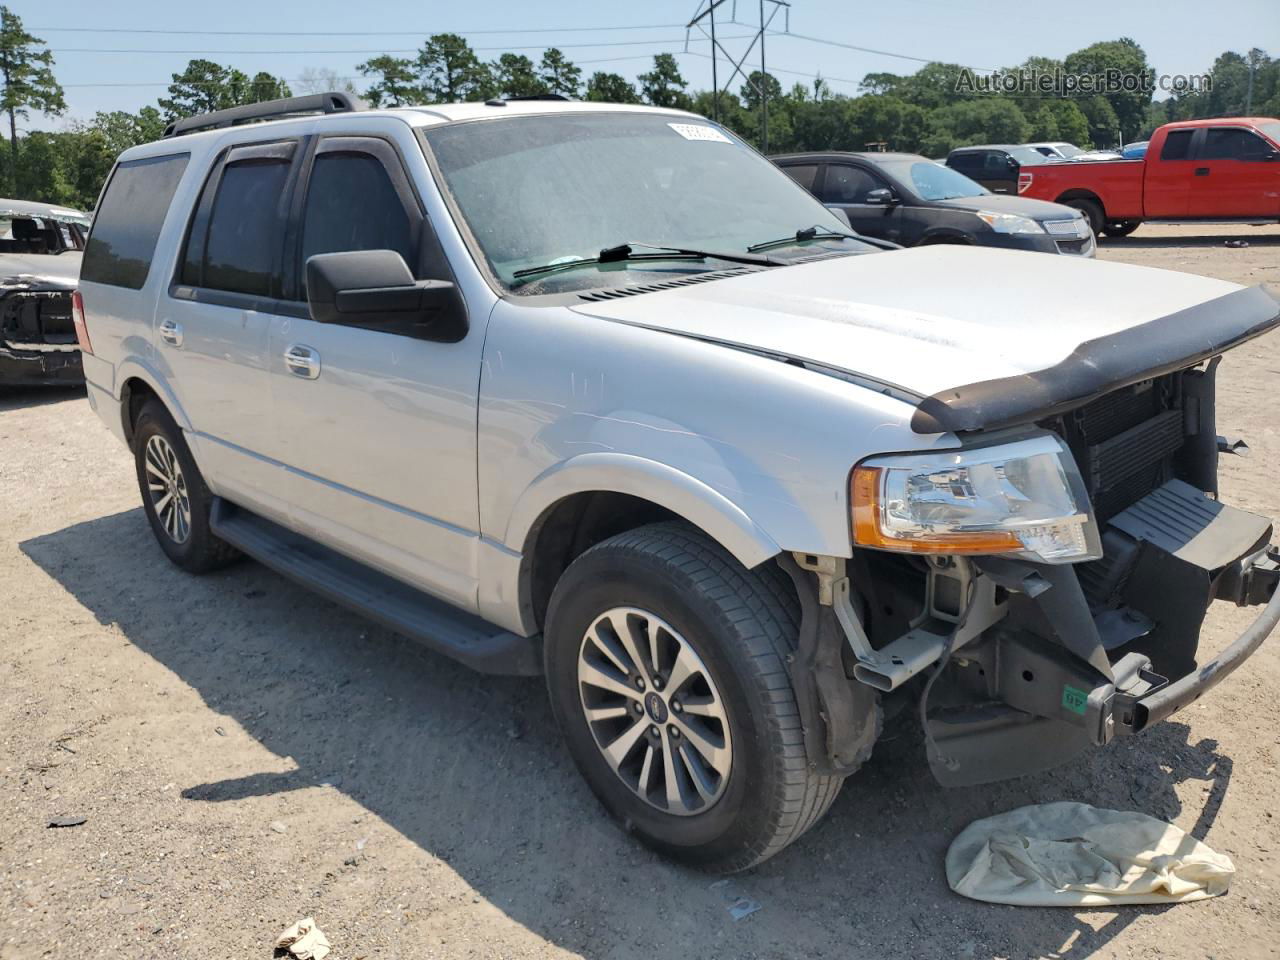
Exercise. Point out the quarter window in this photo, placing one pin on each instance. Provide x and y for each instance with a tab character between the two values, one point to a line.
802	174
128	220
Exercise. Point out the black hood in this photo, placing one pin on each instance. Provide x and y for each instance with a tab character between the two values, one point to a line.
1020	206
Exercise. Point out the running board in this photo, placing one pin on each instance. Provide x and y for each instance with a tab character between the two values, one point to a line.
434	623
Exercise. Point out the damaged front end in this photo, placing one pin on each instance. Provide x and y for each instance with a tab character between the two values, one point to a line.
37	334
1016	664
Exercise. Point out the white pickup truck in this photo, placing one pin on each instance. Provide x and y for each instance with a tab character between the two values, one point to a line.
597	392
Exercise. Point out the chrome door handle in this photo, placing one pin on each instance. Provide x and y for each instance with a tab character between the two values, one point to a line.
171	332
302	361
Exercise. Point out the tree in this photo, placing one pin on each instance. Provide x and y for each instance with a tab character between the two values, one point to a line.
758	83
1121	58
1104	127
28	78
514	75
559	74
989	120
205	86
396	84
664	86
323	80
611	88
450	71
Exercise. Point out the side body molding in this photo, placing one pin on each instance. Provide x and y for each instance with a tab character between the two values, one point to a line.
656	482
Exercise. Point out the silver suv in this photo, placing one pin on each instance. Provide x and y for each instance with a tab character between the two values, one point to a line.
597	392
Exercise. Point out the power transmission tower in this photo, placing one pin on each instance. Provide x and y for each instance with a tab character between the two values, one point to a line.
707	12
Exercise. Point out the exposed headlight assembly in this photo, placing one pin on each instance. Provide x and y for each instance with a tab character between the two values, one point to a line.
1024	498
1009	222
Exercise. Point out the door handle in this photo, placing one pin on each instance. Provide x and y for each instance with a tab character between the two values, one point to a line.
171	332
302	361
1202	171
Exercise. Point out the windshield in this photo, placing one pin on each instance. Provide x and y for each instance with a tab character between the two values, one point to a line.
539	190
1068	150
930	181
1026	156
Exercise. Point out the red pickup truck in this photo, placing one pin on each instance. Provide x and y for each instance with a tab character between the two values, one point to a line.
1207	170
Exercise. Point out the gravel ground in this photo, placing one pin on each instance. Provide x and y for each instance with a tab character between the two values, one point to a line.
248	754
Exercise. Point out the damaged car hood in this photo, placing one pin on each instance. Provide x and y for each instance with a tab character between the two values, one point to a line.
47	268
976	337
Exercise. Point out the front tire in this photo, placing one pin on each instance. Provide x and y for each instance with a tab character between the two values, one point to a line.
1120	228
666	665
174	495
1092	211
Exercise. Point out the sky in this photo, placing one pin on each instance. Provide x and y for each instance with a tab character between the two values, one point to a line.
106	59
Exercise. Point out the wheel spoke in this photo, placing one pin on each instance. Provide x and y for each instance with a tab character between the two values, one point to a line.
597	714
623	744
594	676
711	748
646	771
618	619
682	670
698	774
675	800
163	502
610	647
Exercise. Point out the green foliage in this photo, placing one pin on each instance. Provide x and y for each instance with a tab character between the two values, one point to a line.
515	76
205	86
663	86
1129	108
397	83
27	74
450	71
611	88
558	74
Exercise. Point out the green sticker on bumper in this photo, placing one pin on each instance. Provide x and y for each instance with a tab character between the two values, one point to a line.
1073	699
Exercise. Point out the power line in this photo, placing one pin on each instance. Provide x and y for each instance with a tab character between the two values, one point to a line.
380	50
348	33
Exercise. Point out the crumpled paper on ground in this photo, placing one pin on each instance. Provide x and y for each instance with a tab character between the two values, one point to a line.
304	940
1074	855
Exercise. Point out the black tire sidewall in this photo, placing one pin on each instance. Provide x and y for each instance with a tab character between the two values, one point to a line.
155	420
611	579
1092	211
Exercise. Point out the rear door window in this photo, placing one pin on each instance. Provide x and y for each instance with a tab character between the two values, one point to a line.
1177	145
235	243
128	220
846	184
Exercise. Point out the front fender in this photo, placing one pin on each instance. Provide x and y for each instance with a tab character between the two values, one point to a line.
659	483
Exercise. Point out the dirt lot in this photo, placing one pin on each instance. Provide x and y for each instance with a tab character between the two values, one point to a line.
247	754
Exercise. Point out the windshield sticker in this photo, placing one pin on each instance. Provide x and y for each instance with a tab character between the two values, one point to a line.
698	131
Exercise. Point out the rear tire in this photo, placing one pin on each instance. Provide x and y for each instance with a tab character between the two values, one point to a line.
1120	228
174	495
733	629
1092	211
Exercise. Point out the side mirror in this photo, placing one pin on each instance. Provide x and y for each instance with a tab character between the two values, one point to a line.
880	197
377	289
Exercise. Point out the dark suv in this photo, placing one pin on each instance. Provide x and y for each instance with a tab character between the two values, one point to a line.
909	199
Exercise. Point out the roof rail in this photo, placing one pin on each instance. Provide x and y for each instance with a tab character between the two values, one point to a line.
538	96
334	102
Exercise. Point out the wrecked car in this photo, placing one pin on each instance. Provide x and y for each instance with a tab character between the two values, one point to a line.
597	392
40	251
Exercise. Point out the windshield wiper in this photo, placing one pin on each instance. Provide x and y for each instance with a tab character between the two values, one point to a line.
800	236
626	252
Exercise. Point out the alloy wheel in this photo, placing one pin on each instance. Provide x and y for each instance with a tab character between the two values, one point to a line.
167	488
654	711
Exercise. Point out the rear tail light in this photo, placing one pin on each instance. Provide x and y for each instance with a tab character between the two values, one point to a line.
77	316
1024	182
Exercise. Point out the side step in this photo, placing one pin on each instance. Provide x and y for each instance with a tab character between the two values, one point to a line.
397	606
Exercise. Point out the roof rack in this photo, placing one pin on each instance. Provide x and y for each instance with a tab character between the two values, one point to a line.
335	102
